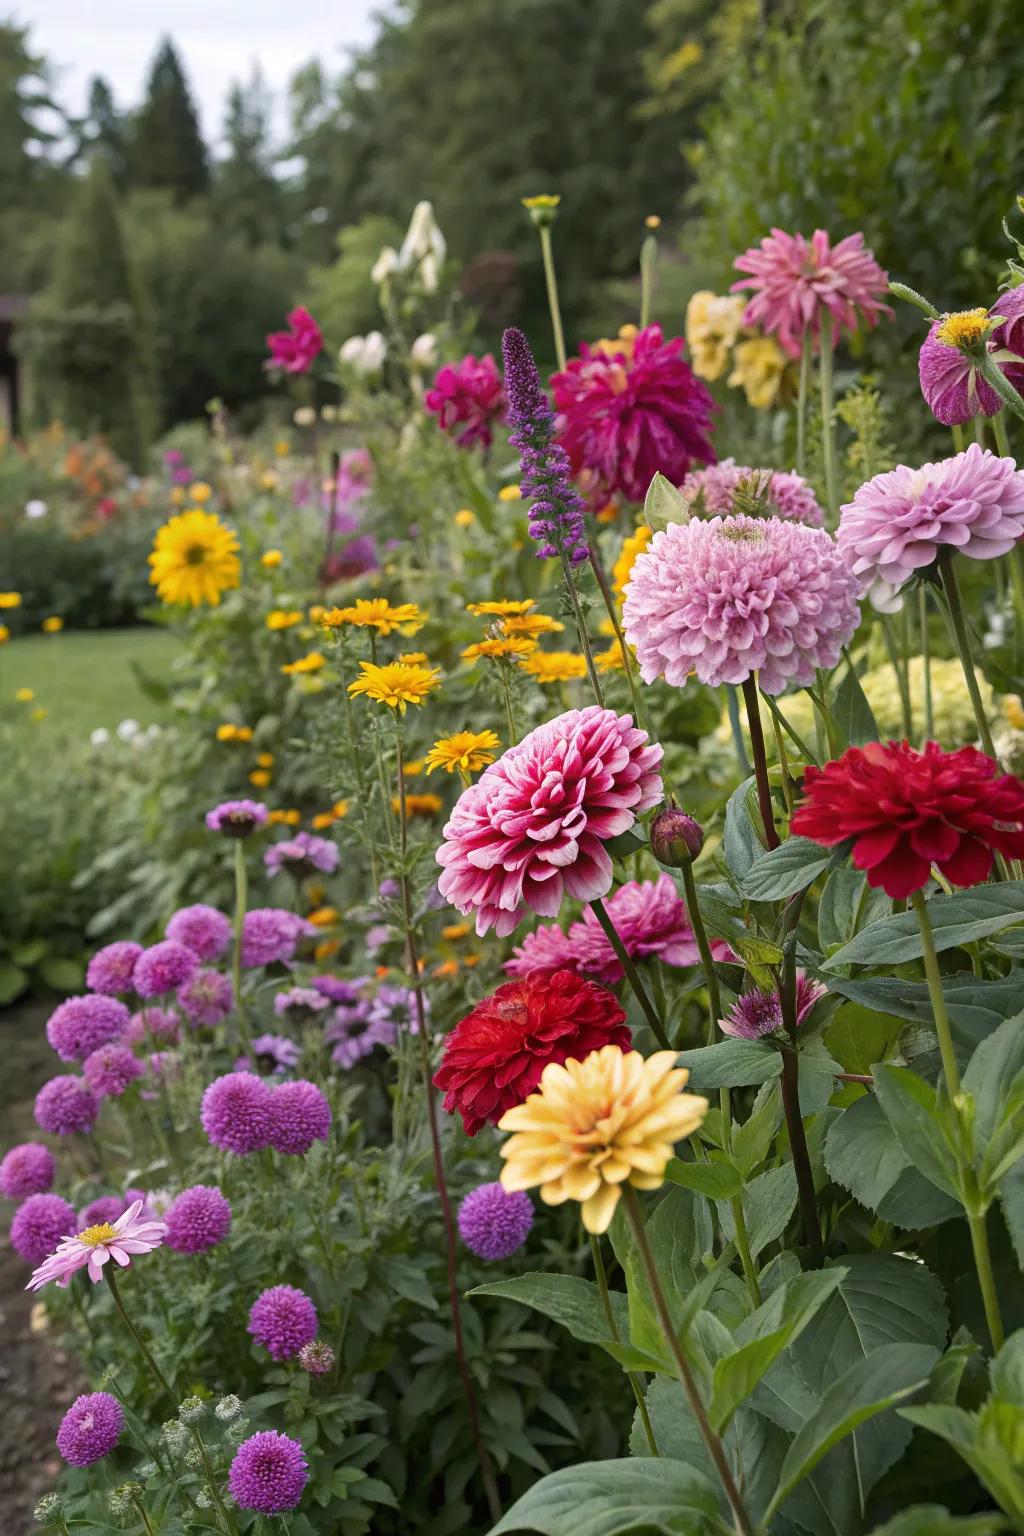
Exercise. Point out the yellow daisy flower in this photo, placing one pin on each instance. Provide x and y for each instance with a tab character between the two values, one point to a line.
501	645
418	805
339	810
445	969
10	599
53	625
396	684
229	732
412	658
324	917
412	770
609	660
259	778
24	695
634	544
464	518
311	663
531	624
596	1124
555	666
194	559
377	613
326	950
5	634
271	558
503	608
510	493
321	821
284	618
284	818
456	931
466	751
200	492
178	496
265	760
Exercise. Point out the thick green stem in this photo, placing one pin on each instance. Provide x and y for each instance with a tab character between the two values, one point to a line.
801	401
828	428
713	1442
962	641
633	976
935	993
764	789
703	949
613	1328
902	683
551	281
1001	436
648	277
986	1280
143	1347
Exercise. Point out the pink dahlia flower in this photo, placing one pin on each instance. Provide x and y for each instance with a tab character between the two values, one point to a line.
468	396
295	350
626	415
793	279
121	1240
898	522
533	826
783	493
733	596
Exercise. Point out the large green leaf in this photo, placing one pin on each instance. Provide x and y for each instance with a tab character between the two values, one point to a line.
845	905
783	871
567	1299
852	712
911	1107
664	504
680	1234
740	841
613	1498
986	1457
864	1155
975	1007
717	1180
955	919
13	981
768	1203
730	1064
933	1520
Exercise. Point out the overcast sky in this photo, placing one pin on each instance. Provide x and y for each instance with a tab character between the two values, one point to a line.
217	39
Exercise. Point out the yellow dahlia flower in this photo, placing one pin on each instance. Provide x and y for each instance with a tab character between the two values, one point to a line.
467	751
194	559
597	1124
396	684
758	366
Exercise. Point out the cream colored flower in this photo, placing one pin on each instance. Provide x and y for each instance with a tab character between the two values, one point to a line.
713	325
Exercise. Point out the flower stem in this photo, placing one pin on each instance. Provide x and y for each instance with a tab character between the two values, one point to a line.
241	897
144	1350
548	255
732	704
713	1442
703	949
798	741
606	1302
648	277
601	576
986	1280
641	993
790	1085
581	624
140	1510
801	401
935	993
962	641
926	662
902	684
828	430
764	789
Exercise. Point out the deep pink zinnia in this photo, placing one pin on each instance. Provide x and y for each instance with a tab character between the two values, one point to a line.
626	415
295	350
794	279
468	399
533	826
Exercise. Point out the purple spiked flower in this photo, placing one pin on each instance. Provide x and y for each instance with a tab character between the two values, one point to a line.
268	1473
207	999
90	1429
110	1070
494	1222
235	1112
556	510
283	1319
164	968
202	929
79	1025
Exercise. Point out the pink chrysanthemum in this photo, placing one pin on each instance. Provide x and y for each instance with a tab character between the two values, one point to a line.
756	1014
90	1429
271	934
207	999
282	1319
39	1224
235	1113
202	929
164	968
469	397
533	826
110	969
127	1237
625	415
898	522
296	349
111	1070
793	279
66	1105
80	1025
27	1169
783	493
299	1115
198	1219
733	596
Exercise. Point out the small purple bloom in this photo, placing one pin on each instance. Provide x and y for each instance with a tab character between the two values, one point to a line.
756	1014
493	1222
38	1226
111	1070
300	1003
80	1024
198	1219
27	1169
270	934
202	929
164	968
338	990
235	1113
153	1023
302	855
299	1115
103	1208
207	999
90	1429
236	818
110	969
317	1358
65	1105
388	890
273	1054
268	1473
283	1319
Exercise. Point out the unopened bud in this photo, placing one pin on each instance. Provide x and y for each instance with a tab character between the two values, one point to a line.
317	1358
48	1508
676	838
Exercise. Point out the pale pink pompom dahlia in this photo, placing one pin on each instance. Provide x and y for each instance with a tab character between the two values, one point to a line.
726	598
793	279
898	522
533	826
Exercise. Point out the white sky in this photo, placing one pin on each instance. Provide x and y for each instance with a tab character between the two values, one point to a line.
218	41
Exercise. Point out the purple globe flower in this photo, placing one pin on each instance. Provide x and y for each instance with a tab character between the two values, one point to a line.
299	1115
65	1105
110	969
283	1319
207	999
38	1226
90	1429
198	1219
756	1014
81	1024
103	1208
27	1169
236	818
202	929
268	1473
270	934
111	1070
302	855
235	1113
493	1222
154	1023
164	968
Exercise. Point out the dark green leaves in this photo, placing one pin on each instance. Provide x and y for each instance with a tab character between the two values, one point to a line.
864	1155
955	919
612	1498
785	870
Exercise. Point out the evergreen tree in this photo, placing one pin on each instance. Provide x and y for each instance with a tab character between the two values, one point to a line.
24	140
167	148
249	198
103	131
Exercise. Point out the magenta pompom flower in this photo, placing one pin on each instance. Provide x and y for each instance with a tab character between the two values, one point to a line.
39	1224
495	1222
198	1219
282	1319
27	1169
296	349
628	411
299	1115
756	1014
533	826
79	1025
302	855
90	1429
794	279
268	1473
235	1113
110	969
271	934
111	1070
781	493
899	522
202	929
103	1208
207	999
468	400
236	818
164	968
133	1233
726	598
65	1105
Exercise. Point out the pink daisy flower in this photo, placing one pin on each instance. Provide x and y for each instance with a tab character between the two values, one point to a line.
793	279
948	363
131	1234
898	522
533	826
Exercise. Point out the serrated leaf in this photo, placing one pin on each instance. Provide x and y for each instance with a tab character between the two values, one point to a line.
864	1155
782	871
612	1498
975	1007
577	1305
730	1064
768	1203
717	1180
956	919
909	1104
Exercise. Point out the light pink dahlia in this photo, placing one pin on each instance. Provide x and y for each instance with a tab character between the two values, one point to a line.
121	1240
733	596
793	279
898	522
533	826
783	493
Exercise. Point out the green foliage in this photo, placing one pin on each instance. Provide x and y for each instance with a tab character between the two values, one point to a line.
166	149
343	296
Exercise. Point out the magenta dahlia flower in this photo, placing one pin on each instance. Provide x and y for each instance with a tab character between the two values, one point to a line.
80	1025
299	1115
235	1113
953	350
66	1105
726	598
296	349
282	1319
207	999
133	1233
794	279
110	969
164	967
90	1429
197	1219
468	396
269	1473
495	1222
533	826
27	1169
202	929
39	1224
756	1014
111	1070
899	522
626	415
783	493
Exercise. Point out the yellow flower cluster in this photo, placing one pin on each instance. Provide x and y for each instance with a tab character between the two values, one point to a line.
714	329
229	732
500	646
310	663
555	666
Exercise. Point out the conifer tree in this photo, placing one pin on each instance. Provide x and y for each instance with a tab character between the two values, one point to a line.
167	148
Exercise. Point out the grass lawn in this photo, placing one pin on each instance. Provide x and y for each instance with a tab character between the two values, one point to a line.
84	678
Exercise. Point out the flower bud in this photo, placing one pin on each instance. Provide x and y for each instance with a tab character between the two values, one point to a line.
192	1410
675	838
316	1358
48	1508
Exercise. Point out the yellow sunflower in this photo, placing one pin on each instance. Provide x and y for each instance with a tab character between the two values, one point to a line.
467	751
396	684
194	559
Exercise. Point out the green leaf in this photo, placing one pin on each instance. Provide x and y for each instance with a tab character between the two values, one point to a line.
852	712
28	952
730	1064
740	841
717	1180
933	1520
13	981
566	1299
664	504
987	1460
868	1388
909	1104
845	904
612	1498
1007	1372
626	843
956	919
768	1203
864	1155
783	871
1011	1201
61	972
975	1007
858	1037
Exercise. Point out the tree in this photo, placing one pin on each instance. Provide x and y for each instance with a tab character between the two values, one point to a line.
249	198
102	133
24	95
167	148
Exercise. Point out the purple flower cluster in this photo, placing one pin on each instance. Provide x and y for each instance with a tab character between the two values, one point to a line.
111	1070
302	855
80	1025
271	1054
90	1429
27	1169
65	1105
110	969
198	1219
556	506
360	1022
103	1208
283	1319
164	968
268	1473
38	1226
202	929
235	1113
236	818
299	1115
270	934
207	999
153	1023
494	1222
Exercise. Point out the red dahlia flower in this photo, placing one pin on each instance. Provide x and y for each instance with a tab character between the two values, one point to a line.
494	1057
907	810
